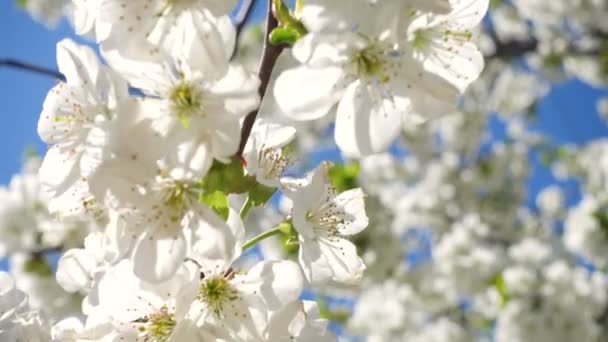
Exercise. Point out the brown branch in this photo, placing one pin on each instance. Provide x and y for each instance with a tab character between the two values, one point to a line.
13	63
270	55
513	48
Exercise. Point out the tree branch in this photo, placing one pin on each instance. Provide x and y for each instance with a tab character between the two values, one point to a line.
513	48
270	55
13	63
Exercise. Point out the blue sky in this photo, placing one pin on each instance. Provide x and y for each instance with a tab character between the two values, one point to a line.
567	114
22	94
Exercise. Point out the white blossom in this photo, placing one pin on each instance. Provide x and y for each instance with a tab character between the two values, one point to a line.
323	219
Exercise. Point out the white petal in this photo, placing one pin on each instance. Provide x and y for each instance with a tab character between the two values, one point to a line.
119	293
137	62
272	134
306	93
78	63
457	62
60	121
366	123
84	14
75	269
225	139
239	90
191	156
218	243
313	263
341	257
210	48
156	260
353	206
324	50
194	37
278	282
309	198
59	169
468	13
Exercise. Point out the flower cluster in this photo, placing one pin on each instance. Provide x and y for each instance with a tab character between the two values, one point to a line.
185	195
151	153
481	256
176	188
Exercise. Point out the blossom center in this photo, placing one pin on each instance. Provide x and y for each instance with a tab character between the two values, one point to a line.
273	161
375	61
216	293
327	218
419	40
176	196
159	325
186	101
369	60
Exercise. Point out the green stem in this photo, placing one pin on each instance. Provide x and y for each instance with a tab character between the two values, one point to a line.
245	208
265	235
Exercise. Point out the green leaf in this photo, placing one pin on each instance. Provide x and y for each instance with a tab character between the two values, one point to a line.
344	177
229	178
21	3
218	201
260	194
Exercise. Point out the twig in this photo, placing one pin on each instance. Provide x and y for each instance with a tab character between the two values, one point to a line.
13	63
270	55
513	48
